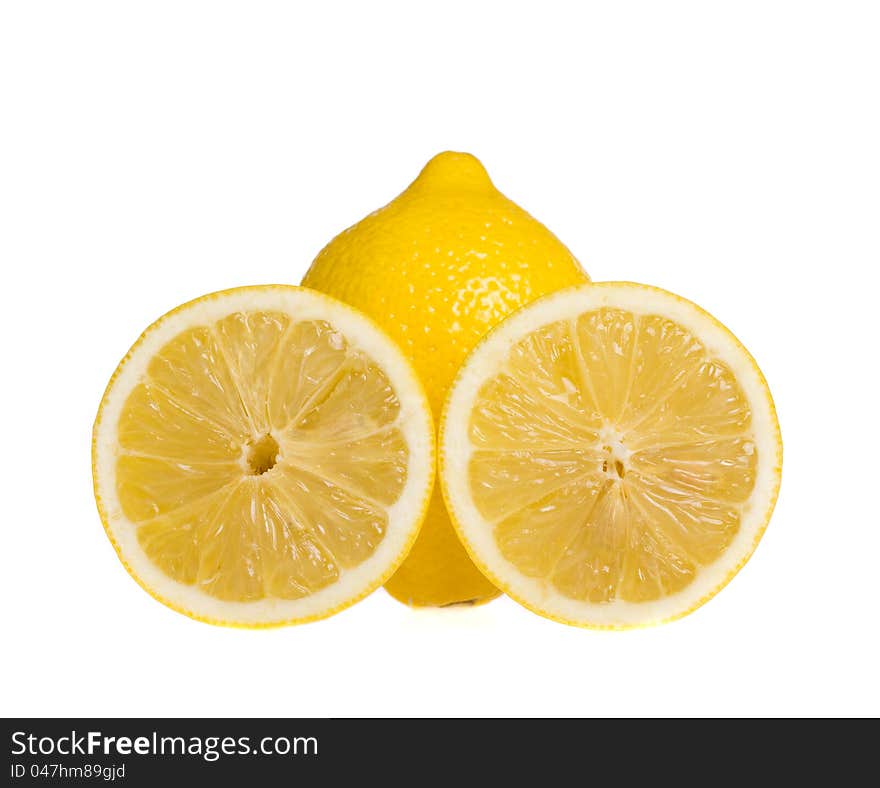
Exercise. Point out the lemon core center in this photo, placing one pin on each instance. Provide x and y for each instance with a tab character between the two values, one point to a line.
262	455
615	454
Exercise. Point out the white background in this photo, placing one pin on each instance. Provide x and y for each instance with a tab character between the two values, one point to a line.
152	152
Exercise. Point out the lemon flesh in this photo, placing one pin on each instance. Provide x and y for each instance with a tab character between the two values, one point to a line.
437	268
254	460
611	455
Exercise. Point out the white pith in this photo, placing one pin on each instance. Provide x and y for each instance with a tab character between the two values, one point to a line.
404	516
456	449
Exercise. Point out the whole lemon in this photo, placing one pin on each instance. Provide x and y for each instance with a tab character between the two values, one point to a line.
437	268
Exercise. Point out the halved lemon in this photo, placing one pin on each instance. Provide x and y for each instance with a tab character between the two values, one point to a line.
610	455
263	456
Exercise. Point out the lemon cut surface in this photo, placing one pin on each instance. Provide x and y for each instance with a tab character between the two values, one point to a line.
263	456
610	455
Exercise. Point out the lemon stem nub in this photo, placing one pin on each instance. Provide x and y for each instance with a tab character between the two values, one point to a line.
262	455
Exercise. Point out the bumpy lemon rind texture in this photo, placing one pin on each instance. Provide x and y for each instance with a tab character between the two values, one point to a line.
427	451
500	343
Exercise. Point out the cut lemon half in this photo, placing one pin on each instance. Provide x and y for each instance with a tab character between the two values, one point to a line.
263	456
610	455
